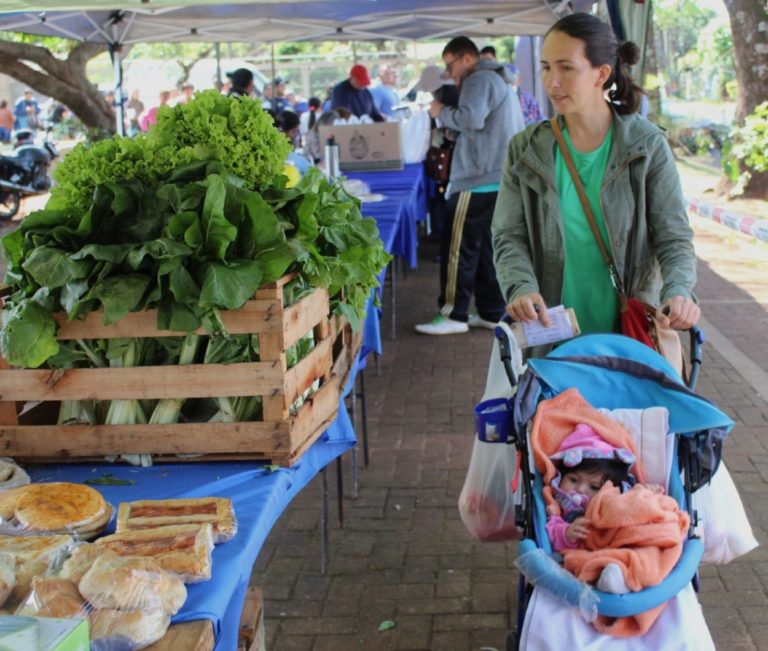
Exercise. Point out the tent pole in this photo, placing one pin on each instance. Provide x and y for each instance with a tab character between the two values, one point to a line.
354	53
117	65
274	75
219	83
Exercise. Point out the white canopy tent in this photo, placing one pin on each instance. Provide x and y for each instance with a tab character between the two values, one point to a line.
109	21
119	23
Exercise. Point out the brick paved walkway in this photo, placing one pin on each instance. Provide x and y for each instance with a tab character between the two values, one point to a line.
404	555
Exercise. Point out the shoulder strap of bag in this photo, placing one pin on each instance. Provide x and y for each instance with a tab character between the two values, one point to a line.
616	279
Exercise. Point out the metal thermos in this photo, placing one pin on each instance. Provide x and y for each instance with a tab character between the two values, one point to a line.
332	159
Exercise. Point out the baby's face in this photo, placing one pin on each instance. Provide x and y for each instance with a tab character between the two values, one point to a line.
580	481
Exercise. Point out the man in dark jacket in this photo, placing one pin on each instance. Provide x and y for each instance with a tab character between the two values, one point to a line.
353	94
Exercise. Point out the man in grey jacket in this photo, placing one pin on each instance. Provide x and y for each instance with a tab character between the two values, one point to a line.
486	118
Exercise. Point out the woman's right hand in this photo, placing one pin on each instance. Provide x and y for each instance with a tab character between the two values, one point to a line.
529	307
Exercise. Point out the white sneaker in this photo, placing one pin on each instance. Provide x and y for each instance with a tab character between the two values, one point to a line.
440	325
476	321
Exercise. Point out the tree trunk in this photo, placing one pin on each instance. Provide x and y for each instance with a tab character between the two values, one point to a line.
749	26
62	79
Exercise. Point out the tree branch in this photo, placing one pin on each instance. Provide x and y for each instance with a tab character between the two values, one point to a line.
35	54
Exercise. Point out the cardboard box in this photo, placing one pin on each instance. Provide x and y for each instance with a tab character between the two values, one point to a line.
364	147
43	634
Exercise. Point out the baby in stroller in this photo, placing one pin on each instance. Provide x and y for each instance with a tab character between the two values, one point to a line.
585	462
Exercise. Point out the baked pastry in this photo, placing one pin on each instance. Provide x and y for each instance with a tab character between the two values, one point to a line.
158	513
132	583
31	556
183	549
53	597
6	470
81	559
8	502
7	580
59	506
141	628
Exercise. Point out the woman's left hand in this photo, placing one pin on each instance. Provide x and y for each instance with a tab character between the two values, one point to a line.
679	313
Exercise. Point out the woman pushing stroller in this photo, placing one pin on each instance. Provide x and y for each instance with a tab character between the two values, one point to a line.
545	250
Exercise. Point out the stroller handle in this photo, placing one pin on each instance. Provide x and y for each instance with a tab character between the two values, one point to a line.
695	333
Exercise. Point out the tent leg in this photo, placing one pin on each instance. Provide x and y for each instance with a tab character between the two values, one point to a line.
117	65
219	82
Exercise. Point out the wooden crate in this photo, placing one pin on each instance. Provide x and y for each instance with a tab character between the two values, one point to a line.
280	437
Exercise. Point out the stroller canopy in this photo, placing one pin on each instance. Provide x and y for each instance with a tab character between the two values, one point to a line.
615	372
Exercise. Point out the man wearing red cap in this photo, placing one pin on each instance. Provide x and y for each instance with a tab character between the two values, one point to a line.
353	94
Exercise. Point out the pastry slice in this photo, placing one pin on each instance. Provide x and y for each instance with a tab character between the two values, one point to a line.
157	513
183	549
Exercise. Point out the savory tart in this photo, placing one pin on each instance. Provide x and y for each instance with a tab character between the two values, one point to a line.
59	506
158	513
183	549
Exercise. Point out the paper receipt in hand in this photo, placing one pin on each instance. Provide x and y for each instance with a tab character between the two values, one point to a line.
562	325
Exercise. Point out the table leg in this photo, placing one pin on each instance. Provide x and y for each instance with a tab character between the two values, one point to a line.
364	415
340	491
393	296
324	522
353	473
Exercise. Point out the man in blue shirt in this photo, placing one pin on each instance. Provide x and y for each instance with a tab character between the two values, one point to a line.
353	94
384	95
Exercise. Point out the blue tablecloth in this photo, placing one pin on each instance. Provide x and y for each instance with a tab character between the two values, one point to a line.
259	497
407	188
410	180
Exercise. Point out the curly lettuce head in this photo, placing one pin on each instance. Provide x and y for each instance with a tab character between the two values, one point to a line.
233	130
114	160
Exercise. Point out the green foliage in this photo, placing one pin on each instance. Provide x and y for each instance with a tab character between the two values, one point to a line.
161	221
748	150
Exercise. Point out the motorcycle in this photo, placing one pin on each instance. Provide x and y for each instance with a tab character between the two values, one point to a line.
26	171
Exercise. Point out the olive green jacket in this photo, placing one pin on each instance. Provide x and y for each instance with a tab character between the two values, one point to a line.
642	203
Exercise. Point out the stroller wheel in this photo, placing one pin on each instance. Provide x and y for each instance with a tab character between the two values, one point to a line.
513	643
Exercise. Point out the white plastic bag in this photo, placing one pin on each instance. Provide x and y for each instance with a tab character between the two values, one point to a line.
723	524
490	493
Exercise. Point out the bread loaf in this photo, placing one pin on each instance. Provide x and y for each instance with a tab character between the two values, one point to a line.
53	597
141	628
132	583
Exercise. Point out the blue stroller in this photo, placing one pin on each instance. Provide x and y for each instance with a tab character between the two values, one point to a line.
610	372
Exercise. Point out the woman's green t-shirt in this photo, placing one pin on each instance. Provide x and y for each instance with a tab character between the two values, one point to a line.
587	286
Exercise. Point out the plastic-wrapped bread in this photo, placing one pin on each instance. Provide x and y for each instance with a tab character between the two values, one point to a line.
30	556
132	583
133	629
8	499
53	597
61	506
184	550
81	559
7	580
161	513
